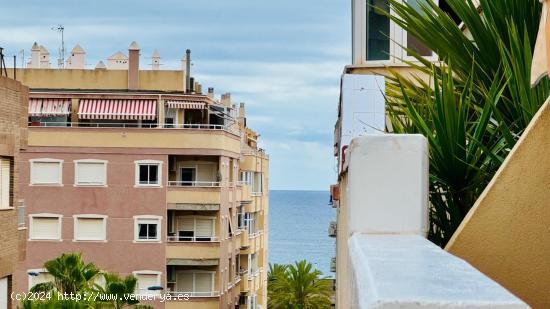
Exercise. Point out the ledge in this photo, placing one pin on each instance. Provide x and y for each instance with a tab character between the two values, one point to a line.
407	271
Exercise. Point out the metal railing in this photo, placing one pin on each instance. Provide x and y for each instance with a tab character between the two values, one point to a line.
106	125
208	184
205	239
194	294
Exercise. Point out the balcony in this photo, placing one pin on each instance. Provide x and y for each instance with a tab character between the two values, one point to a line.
385	259
254	242
194	286
191	238
133	135
193	183
332	228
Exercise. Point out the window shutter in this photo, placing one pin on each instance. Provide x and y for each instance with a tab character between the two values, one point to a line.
203	282
90	229
90	173
184	282
5	180
45	228
144	281
45	172
205	227
185	224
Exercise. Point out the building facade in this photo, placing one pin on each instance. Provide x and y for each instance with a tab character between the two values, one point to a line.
13	138
146	176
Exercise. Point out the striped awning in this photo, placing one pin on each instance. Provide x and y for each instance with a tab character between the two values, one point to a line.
128	109
49	107
186	104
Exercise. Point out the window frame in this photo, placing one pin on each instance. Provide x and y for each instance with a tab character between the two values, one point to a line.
6	202
89	216
45	215
30	277
398	37
32	162
213	237
93	161
150	218
139	163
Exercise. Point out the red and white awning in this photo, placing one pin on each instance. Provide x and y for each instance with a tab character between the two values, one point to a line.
49	107
128	109
186	104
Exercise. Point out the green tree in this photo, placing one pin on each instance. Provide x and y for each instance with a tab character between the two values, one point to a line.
298	286
477	101
119	288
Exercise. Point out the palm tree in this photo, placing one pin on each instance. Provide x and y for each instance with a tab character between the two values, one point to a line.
298	286
119	288
477	101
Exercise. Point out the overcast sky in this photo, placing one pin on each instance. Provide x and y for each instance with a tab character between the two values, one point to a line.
282	58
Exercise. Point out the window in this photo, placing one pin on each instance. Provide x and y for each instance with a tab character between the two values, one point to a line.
257	183
246	177
4	291
90	173
46	171
45	227
195	228
145	280
148	173
195	283
250	222
377	39
37	276
90	227
6	186
188	176
252	300
378	31
240	217
147	228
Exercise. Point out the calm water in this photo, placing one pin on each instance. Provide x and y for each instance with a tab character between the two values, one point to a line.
298	228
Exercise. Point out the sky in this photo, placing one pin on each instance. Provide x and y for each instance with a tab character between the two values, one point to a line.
282	58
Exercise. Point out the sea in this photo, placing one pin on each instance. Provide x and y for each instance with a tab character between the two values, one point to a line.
298	228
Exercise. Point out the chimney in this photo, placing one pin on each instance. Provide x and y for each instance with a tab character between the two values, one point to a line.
155	60
211	93
198	88
35	56
226	99
242	115
188	85
133	66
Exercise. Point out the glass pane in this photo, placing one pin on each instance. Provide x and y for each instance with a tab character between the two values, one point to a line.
152	231
378	31
143	174
412	42
142	231
153	174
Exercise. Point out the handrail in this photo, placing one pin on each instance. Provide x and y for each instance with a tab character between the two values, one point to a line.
188	239
208	184
106	125
195	294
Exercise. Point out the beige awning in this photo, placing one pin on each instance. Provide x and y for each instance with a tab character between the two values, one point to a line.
192	262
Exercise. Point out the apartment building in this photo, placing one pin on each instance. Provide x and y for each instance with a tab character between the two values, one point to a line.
145	175
13	138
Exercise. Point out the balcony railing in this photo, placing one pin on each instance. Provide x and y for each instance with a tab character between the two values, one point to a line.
106	125
200	184
201	239
195	294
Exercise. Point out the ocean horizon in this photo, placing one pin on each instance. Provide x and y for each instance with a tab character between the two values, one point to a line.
298	228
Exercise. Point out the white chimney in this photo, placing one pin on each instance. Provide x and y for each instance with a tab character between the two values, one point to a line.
155	60
44	58
77	60
35	56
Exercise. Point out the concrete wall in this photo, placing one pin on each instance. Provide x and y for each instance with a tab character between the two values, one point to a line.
163	80
506	234
13	137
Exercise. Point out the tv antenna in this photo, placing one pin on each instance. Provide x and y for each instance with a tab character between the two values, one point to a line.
61	59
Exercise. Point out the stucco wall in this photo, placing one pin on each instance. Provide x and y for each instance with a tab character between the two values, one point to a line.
506	235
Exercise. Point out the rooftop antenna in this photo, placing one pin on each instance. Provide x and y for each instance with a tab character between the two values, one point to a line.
61	60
